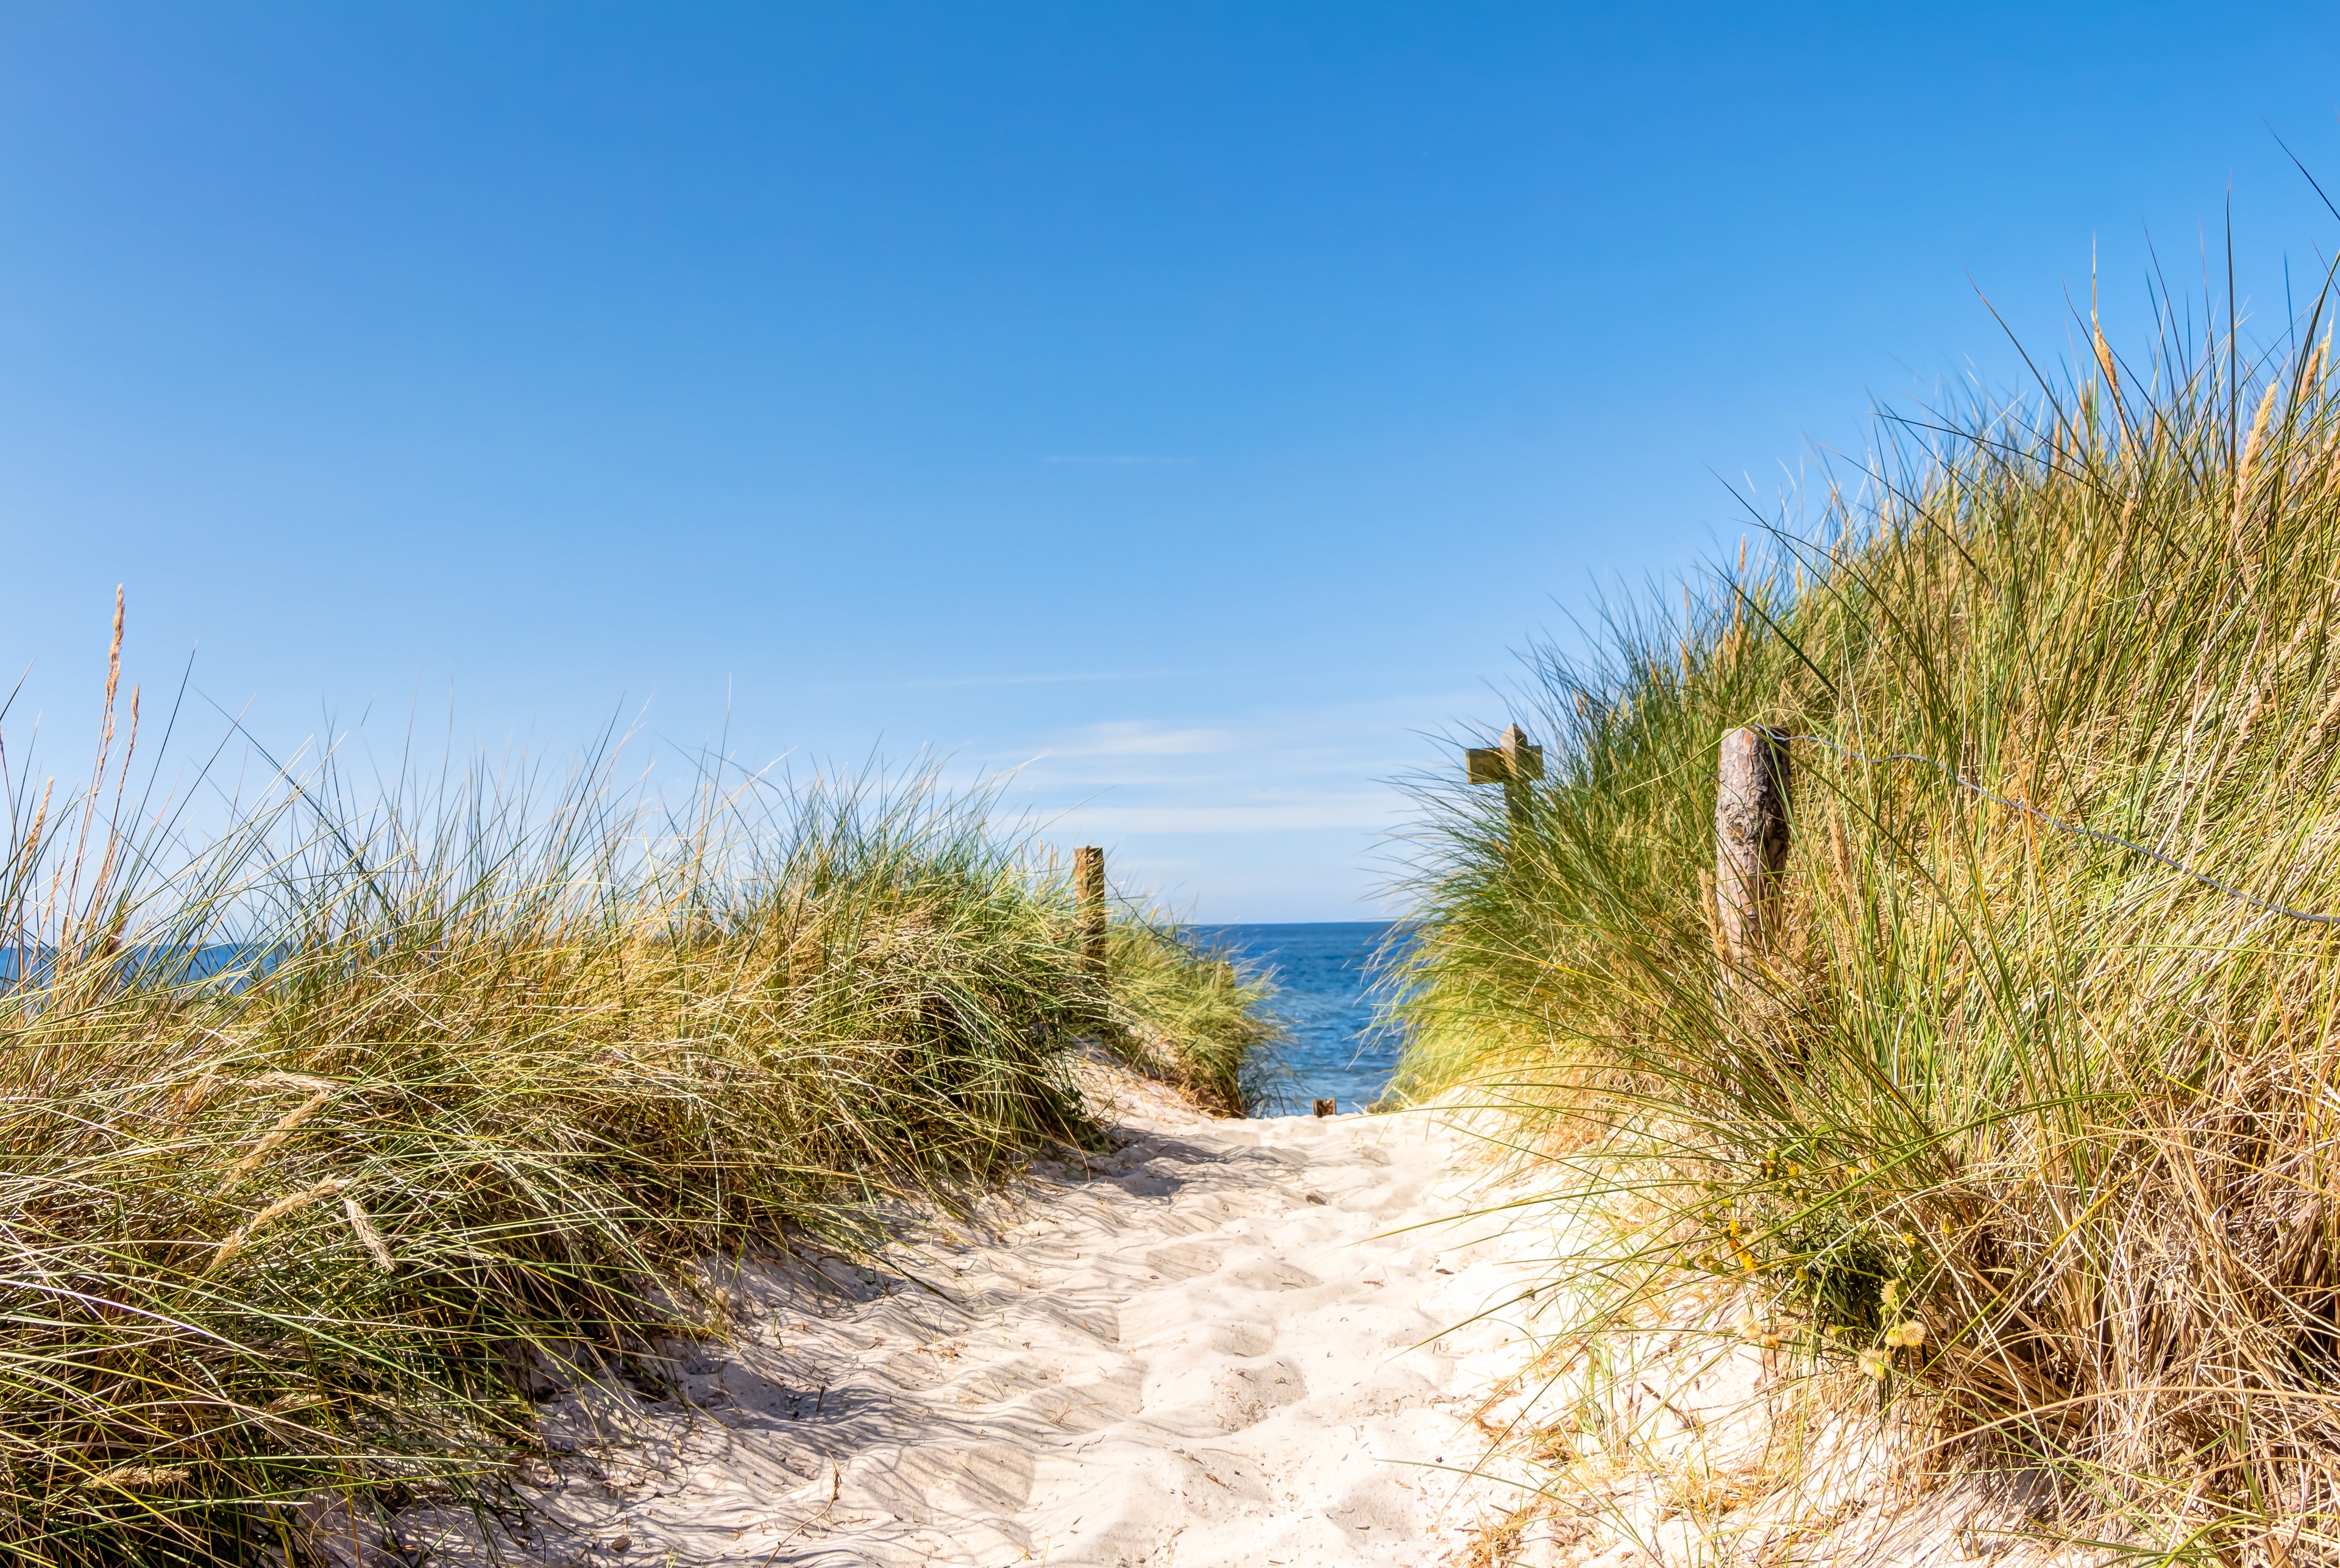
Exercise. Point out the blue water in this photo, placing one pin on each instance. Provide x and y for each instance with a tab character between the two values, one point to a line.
1321	973
141	960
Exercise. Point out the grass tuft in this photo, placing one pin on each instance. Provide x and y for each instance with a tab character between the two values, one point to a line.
316	1129
2032	1130
1187	1015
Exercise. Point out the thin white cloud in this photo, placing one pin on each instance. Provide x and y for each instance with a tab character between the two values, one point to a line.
1138	739
1351	812
1258	811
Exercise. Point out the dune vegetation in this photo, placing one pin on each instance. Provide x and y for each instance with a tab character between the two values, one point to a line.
313	1125
2033	1128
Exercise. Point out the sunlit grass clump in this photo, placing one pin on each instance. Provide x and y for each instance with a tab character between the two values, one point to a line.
311	1127
1191	1017
2033	1129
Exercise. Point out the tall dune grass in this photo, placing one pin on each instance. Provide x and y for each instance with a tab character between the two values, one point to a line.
310	1129
1190	1017
2035	1130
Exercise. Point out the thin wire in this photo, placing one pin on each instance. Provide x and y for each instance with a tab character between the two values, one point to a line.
2073	827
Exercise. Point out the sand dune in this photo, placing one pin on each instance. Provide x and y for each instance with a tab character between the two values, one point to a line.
1206	1348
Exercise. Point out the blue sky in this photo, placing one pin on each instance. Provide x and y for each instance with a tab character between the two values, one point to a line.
1193	407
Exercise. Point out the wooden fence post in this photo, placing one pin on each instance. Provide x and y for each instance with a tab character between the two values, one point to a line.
1751	835
1088	894
1514	764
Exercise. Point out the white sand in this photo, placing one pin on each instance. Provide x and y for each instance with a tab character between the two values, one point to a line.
1279	1342
1206	1348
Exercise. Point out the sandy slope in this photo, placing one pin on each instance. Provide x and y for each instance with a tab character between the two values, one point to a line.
1227	1343
1206	1348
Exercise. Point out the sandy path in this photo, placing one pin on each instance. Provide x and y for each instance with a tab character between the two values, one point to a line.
1206	1348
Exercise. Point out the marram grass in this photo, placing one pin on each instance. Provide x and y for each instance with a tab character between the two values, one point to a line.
2033	1130
309	1131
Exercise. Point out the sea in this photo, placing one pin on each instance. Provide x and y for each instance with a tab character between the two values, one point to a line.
1321	972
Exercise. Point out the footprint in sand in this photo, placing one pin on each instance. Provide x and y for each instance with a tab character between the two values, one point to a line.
1182	1357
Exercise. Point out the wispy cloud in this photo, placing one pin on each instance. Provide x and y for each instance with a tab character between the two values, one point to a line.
1268	812
1264	771
1136	738
1370	739
1120	460
1355	811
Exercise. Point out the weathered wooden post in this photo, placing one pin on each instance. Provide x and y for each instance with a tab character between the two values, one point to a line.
1327	1107
1088	895
1751	835
1514	764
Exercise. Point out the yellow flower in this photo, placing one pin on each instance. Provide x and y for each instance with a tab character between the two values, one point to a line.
1873	1363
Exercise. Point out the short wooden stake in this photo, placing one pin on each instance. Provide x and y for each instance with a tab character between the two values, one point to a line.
1088	895
1514	764
1751	835
1328	1107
